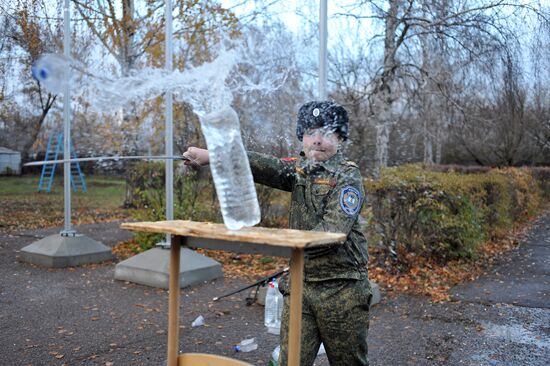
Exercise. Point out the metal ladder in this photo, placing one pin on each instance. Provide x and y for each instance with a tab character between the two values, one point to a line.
54	151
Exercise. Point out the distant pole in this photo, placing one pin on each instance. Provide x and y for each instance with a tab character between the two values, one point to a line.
169	120
323	35
67	123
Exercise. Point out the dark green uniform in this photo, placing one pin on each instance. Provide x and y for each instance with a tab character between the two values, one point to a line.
326	196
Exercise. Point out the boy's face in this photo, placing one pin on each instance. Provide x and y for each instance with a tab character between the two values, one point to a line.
320	144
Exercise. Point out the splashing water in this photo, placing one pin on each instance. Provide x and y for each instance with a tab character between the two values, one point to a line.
209	88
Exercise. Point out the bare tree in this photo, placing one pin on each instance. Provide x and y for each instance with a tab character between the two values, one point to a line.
466	30
137	35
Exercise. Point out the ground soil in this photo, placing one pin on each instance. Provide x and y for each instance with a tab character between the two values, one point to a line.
82	316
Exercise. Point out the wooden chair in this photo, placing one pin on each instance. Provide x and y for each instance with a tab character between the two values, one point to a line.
204	359
267	241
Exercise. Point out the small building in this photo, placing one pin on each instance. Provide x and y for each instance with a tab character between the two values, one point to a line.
10	162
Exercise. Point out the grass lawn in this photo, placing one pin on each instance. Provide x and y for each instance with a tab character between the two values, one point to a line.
22	207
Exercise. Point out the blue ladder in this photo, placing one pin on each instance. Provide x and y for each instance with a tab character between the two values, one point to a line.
54	151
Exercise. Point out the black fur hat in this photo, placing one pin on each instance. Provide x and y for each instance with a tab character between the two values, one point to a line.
322	114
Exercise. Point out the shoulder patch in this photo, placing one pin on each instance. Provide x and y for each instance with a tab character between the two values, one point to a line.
350	200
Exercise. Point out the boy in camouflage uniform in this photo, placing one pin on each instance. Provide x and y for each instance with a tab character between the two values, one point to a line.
327	195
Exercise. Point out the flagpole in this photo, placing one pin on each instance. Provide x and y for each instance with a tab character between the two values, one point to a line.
67	231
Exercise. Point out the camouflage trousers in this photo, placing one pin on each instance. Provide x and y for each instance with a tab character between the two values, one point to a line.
334	312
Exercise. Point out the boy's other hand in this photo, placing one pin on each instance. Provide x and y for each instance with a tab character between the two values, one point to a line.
196	157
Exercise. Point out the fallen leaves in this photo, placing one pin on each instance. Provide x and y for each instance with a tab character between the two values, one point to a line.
426	277
248	266
56	355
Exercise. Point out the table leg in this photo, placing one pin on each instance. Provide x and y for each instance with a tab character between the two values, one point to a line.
173	301
295	323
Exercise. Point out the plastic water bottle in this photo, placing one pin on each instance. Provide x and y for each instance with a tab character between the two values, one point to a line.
230	169
246	345
52	71
275	357
273	308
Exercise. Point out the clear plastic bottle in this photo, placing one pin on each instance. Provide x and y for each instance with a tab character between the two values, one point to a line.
52	71
246	345
230	169
275	356
273	308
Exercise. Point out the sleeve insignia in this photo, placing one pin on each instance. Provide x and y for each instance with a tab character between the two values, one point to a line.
350	200
325	181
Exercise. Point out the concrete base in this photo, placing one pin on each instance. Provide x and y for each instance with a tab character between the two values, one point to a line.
151	268
65	251
376	296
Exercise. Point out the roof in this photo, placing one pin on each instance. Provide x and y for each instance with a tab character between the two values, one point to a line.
5	150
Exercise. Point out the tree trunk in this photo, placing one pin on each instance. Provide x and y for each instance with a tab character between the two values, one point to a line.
382	100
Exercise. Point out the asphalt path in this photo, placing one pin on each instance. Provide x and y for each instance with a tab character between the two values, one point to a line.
82	316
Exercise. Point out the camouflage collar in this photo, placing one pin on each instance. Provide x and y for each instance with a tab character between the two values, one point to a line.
330	165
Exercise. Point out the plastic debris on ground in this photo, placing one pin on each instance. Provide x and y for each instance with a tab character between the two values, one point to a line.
246	345
198	322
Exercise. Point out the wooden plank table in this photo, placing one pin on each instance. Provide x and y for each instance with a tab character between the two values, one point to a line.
247	240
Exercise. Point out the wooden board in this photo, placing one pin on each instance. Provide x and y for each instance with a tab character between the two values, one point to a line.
276	237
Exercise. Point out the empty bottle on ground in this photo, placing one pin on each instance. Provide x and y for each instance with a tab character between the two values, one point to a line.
275	356
273	308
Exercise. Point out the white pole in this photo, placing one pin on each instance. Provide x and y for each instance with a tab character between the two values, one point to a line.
169	120
323	35
66	122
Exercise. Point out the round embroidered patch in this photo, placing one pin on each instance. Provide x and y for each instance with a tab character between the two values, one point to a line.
350	200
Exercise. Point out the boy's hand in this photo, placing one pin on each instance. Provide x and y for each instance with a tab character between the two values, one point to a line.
196	157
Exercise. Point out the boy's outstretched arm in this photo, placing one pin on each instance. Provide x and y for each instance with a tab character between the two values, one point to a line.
266	169
271	171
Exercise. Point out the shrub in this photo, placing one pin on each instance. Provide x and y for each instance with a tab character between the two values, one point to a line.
194	198
444	214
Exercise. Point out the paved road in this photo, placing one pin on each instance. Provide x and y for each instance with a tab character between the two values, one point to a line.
82	316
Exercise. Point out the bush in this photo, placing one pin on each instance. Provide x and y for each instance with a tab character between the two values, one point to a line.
194	198
445	214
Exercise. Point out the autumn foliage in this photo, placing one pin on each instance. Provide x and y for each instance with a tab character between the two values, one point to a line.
428	228
446	215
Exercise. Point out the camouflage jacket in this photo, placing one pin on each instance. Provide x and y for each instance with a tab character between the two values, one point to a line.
328	197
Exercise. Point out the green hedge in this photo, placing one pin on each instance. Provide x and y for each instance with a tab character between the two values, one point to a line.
446	214
442	212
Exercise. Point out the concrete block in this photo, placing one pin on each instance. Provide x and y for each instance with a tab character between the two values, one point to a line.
151	268
65	251
376	295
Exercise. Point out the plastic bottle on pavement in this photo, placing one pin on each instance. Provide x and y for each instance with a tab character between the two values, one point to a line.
275	356
230	169
199	321
52	71
273	308
246	345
